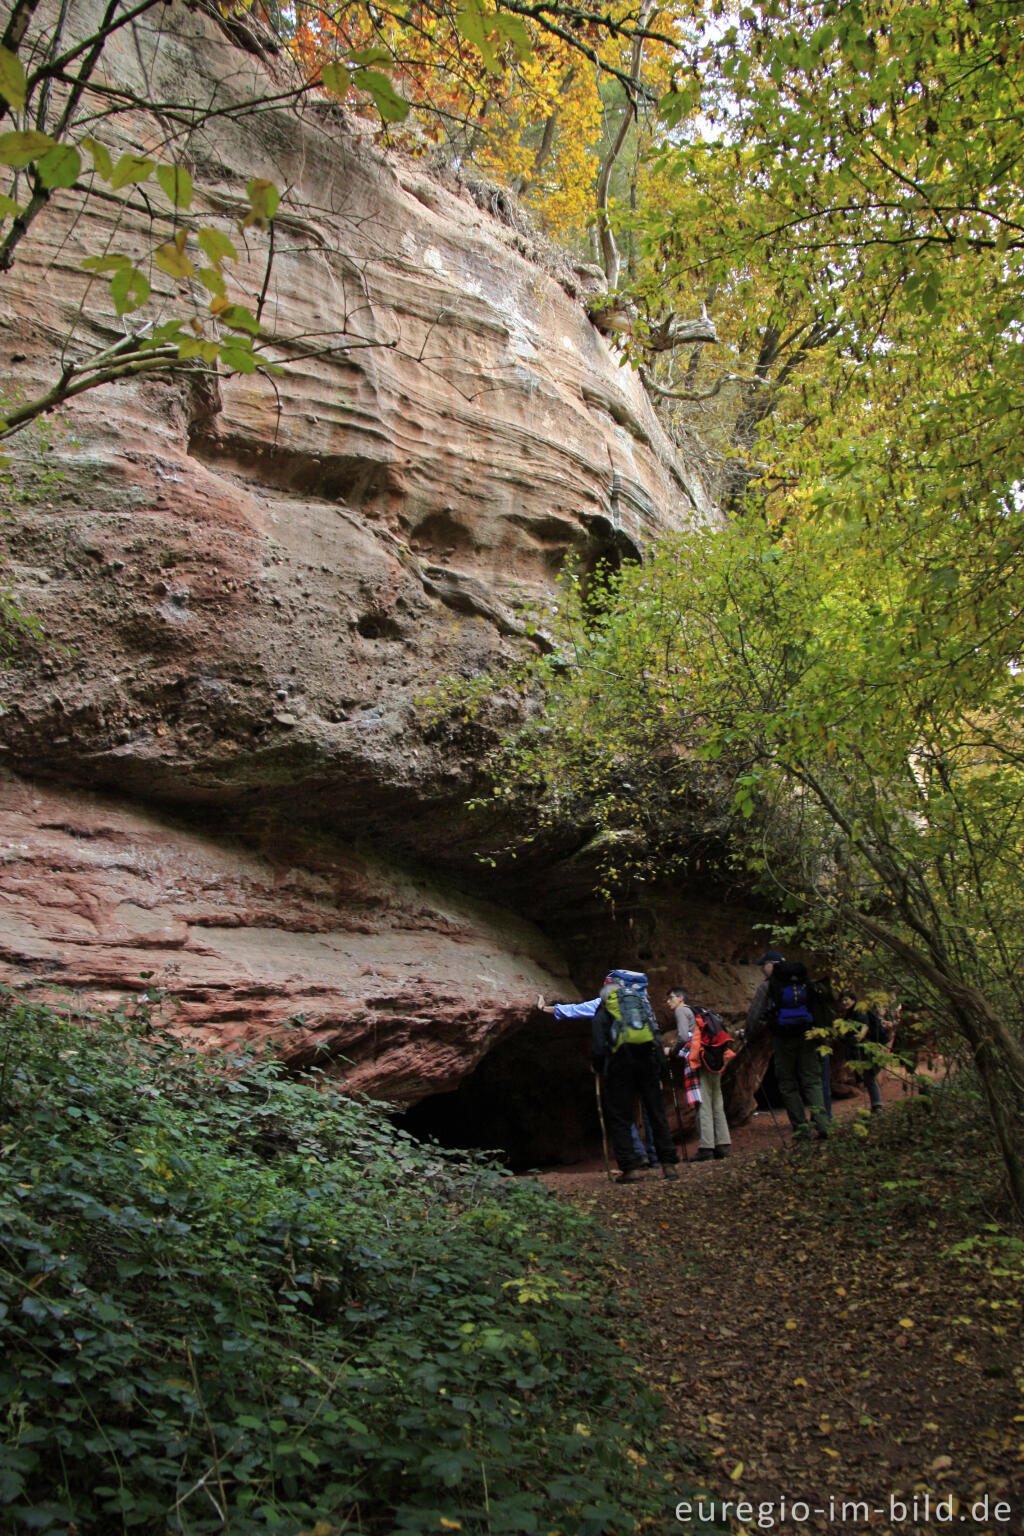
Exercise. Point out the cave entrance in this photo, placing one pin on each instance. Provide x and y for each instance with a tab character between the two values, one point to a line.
531	1100
609	549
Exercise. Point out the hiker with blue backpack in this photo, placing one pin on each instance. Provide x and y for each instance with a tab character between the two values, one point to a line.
783	1004
634	1063
627	1054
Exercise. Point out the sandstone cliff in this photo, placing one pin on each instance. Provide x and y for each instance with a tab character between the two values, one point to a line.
246	589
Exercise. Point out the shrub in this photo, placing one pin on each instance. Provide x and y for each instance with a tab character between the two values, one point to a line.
234	1301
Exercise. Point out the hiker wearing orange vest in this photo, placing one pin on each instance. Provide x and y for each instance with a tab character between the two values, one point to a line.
710	1050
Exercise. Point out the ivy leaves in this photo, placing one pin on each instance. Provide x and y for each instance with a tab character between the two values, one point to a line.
339	79
200	1257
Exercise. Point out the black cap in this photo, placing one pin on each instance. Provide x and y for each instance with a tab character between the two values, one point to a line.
772	955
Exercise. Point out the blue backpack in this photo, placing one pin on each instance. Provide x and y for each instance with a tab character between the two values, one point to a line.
791	993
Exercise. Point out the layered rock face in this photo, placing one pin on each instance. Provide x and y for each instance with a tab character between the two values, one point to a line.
379	974
341	960
254	580
246	589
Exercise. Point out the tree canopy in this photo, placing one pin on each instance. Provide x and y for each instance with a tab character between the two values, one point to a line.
846	652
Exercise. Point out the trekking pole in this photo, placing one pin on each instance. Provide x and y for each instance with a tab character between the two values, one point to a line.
775	1121
604	1132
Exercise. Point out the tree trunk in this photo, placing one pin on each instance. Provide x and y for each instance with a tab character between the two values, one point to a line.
610	259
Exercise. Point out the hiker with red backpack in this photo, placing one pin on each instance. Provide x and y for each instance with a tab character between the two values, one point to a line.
710	1049
677	1000
783	1004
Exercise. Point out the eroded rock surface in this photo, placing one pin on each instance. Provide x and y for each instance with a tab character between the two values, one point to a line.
256	582
389	982
245	591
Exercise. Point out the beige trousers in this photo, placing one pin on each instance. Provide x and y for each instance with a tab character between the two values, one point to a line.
712	1127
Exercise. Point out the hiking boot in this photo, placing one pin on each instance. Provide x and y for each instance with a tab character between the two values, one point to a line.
705	1154
630	1176
669	1171
822	1132
722	1151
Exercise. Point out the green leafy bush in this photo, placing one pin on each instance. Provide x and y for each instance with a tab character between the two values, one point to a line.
234	1301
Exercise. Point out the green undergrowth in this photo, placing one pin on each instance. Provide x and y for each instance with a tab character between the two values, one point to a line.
233	1301
929	1162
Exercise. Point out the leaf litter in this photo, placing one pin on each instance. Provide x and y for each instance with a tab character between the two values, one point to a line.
813	1335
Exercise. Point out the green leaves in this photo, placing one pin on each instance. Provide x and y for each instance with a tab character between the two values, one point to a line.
59	167
226	1252
216	245
129	289
131	170
13	83
336	78
490	31
678	103
341	78
176	184
105	263
236	354
102	163
392	107
18	149
263	200
238	318
476	25
171	258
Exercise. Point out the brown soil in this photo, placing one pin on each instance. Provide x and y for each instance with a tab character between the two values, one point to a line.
766	1130
813	1338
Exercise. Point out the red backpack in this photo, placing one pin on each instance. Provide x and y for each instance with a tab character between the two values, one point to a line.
713	1047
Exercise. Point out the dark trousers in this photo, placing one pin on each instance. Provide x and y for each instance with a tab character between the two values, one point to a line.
635	1071
798	1074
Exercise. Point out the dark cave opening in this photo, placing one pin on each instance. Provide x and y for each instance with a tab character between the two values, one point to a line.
530	1100
608	551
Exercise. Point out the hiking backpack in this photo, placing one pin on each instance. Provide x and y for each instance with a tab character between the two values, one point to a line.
624	995
713	1047
790	991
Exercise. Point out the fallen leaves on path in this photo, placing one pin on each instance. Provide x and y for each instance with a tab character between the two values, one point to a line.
812	1333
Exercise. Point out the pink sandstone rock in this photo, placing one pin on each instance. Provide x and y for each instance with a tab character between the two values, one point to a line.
387	982
246	593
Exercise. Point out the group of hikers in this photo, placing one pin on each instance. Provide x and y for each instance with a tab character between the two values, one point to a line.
631	1060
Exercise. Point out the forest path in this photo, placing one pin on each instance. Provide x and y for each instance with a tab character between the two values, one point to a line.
811	1332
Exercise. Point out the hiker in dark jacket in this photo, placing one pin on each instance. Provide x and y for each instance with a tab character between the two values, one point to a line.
630	1071
870	1030
797	1063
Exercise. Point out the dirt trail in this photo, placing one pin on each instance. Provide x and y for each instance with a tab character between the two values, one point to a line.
835	1365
